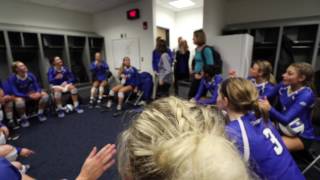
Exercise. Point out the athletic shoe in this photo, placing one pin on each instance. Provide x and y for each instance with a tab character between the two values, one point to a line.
98	105
42	117
61	113
13	137
91	103
24	123
109	104
119	107
78	110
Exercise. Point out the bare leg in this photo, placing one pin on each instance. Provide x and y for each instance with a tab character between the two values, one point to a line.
293	143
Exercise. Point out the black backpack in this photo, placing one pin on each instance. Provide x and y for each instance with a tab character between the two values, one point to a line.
216	58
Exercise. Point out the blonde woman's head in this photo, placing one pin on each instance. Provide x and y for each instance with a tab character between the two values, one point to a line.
240	95
262	69
174	139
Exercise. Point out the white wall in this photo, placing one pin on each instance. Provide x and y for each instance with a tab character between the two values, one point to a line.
240	11
26	14
186	23
180	23
213	18
111	24
166	18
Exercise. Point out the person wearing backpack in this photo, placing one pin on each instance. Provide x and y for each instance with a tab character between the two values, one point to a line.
203	56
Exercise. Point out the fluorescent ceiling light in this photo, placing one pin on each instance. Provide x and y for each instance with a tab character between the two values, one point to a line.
181	3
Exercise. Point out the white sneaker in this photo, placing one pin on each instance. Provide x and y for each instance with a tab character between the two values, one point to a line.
109	104
119	107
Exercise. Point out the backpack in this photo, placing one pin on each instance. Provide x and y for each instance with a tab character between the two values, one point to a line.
216	58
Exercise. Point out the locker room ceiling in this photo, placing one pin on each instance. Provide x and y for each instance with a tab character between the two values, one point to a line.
85	6
95	6
165	4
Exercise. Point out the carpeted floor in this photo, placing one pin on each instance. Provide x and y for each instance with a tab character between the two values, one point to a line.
61	145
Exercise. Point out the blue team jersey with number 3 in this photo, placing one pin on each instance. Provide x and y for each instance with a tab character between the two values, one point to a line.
261	145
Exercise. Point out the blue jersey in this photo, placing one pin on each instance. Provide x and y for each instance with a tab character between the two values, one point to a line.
132	76
211	86
156	55
296	108
262	146
99	71
67	76
8	171
265	89
22	87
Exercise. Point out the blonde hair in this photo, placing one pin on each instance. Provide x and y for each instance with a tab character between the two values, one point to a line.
266	68
200	36
14	66
121	69
174	139
242	96
304	69
183	46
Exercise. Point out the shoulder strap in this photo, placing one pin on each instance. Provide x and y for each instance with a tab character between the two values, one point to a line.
245	140
203	56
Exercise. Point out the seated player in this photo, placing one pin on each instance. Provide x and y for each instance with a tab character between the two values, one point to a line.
99	69
25	87
296	99
178	140
129	82
261	76
256	138
6	101
209	82
62	81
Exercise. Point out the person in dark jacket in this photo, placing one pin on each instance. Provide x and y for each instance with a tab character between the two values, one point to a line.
181	65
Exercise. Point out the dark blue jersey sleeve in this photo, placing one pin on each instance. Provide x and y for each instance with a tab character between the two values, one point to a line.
274	91
15	91
8	171
35	82
201	88
299	105
155	60
51	76
215	92
70	76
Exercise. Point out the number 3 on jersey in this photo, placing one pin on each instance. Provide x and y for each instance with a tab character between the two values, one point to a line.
270	136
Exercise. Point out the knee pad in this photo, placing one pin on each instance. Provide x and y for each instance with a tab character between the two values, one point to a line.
93	90
3	140
120	94
57	95
74	91
1	115
111	93
44	99
12	156
20	104
101	89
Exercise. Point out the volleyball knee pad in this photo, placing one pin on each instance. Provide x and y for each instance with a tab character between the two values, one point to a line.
74	91
101	89
111	93
13	155
3	140
293	128
120	94
93	90
20	104
1	115
44	99
57	95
